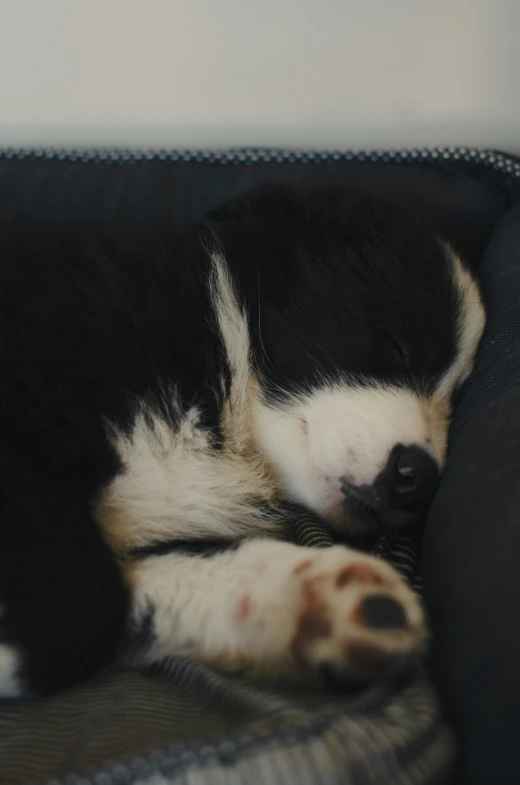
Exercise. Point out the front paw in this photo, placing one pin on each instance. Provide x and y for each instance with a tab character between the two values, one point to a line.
332	609
356	617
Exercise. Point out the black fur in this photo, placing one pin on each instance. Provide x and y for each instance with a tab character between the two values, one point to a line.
94	318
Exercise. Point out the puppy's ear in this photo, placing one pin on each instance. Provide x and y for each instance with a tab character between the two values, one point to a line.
261	202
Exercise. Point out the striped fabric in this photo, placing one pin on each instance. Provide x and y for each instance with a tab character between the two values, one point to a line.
185	723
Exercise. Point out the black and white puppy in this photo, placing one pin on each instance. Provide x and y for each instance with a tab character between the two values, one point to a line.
161	392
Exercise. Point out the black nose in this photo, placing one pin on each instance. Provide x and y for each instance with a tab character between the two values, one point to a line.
411	477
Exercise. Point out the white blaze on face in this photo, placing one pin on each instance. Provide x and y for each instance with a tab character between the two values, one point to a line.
347	432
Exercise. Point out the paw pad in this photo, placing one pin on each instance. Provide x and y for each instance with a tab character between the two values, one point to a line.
380	612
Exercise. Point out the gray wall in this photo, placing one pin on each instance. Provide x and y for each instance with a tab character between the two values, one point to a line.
362	73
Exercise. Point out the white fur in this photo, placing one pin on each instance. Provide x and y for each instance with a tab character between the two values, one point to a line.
242	608
175	484
232	325
10	686
472	320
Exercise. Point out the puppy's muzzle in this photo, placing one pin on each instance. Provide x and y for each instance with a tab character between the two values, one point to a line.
401	492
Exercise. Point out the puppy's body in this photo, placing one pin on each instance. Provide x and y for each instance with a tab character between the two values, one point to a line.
159	391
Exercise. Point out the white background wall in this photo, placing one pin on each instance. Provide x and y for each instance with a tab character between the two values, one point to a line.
345	73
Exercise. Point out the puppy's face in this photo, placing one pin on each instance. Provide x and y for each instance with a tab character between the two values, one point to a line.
362	327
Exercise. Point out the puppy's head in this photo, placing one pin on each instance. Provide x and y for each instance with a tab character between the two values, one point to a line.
354	327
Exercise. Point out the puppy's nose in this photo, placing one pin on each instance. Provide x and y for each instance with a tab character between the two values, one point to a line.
410	477
400	493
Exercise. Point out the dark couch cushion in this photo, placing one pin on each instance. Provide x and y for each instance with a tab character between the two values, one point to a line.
462	200
471	551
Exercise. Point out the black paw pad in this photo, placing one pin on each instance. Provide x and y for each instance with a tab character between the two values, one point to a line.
383	613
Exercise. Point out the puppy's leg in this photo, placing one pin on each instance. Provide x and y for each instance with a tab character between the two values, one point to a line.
278	609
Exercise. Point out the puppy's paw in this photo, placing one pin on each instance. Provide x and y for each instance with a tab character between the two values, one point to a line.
333	609
356	617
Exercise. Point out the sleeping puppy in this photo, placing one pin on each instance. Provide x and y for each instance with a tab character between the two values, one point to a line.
162	394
